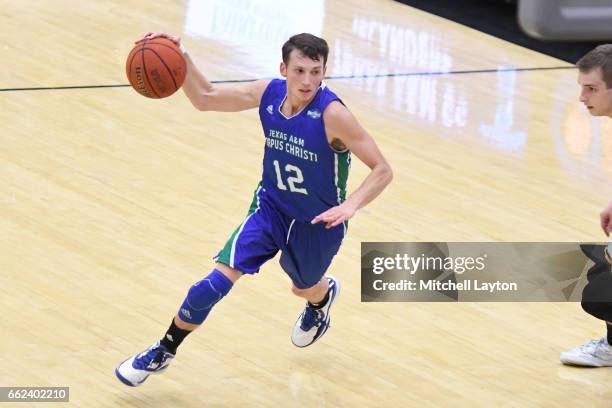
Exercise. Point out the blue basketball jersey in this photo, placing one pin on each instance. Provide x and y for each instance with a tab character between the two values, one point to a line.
302	175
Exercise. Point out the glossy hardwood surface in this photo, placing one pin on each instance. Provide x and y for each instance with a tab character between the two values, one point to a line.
113	205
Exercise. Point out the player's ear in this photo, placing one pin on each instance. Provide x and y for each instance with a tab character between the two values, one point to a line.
283	69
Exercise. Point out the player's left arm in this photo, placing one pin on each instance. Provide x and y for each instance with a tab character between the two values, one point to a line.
340	124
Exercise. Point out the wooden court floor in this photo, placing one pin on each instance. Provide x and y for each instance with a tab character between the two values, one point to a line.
112	205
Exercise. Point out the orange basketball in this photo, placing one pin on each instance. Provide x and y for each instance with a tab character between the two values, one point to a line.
156	68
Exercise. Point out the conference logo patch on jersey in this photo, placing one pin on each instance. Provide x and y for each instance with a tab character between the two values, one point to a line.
270	109
314	114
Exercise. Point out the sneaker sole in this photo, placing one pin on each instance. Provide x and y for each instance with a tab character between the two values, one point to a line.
582	363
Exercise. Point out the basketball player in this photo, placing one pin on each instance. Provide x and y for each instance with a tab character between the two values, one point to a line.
299	207
595	78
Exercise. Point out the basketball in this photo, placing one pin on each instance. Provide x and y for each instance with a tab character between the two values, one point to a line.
156	68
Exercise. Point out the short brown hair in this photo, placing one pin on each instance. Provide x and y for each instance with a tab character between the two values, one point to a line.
600	57
310	45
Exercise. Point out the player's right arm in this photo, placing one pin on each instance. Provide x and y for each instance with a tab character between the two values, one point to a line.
206	96
226	98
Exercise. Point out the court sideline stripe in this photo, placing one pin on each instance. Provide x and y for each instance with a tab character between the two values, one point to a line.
405	74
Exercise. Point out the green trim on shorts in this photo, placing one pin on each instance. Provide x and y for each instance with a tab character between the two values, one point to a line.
226	256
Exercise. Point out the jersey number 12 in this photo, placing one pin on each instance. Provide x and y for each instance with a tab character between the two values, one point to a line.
294	178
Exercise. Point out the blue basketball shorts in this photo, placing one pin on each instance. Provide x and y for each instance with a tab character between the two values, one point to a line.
306	249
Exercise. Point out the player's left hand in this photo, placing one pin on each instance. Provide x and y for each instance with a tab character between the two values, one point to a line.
335	215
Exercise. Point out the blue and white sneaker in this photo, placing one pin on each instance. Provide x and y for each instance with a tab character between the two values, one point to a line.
313	323
135	370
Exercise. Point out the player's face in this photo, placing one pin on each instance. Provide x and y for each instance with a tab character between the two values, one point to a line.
303	74
594	93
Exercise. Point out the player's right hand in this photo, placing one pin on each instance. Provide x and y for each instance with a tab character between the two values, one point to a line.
151	35
606	219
